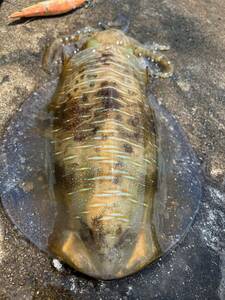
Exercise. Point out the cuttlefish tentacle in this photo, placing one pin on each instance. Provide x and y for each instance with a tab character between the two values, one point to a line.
57	49
150	53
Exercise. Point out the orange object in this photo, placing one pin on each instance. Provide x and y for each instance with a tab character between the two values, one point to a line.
48	8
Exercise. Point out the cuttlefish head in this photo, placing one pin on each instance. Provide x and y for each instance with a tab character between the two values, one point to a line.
110	37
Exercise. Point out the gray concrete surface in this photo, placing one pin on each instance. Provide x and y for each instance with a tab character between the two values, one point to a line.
195	95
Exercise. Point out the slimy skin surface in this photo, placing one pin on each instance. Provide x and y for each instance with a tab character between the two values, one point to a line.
105	158
93	170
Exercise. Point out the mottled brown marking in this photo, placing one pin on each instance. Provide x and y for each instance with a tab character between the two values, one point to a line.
138	136
119	230
104	137
92	84
69	96
95	129
84	98
108	92
128	148
97	223
119	118
106	58
109	96
82	68
74	114
134	121
119	164
104	83
92	76
116	180
107	55
80	136
105	62
111	103
135	137
67	180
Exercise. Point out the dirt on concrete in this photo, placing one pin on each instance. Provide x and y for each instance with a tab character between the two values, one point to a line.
195	95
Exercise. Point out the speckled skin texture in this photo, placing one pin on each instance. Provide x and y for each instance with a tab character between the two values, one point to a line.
105	159
195	95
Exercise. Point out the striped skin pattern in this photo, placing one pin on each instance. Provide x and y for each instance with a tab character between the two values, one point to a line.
105	158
